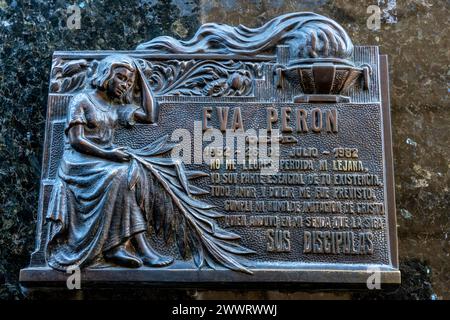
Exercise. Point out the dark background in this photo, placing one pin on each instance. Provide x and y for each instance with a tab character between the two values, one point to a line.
414	34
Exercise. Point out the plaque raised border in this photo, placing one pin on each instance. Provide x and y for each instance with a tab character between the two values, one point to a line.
295	60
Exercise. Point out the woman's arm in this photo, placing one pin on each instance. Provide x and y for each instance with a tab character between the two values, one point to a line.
82	145
149	110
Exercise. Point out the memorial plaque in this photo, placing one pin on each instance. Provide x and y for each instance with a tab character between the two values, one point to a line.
241	156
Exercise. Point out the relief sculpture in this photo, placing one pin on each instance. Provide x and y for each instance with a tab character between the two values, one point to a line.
105	195
118	202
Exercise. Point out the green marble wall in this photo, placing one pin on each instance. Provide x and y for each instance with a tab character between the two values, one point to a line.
414	34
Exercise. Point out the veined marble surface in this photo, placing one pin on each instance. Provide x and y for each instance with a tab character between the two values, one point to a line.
414	34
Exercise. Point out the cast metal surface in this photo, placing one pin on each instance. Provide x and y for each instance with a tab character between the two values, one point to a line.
119	201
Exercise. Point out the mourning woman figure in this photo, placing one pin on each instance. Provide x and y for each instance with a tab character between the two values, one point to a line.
92	213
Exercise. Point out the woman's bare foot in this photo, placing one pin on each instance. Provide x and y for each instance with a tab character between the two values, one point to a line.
119	255
147	254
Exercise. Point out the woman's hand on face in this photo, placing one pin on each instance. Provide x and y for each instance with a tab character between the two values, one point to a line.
119	154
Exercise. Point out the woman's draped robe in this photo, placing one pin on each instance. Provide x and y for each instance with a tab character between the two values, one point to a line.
91	208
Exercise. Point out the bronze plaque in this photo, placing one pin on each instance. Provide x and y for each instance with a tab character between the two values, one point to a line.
240	156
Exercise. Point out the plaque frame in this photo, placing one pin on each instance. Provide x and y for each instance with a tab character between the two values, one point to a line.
316	276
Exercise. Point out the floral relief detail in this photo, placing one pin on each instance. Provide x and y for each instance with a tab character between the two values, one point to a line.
72	75
172	78
197	78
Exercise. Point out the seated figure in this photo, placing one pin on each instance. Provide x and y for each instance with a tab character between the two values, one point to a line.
92	212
